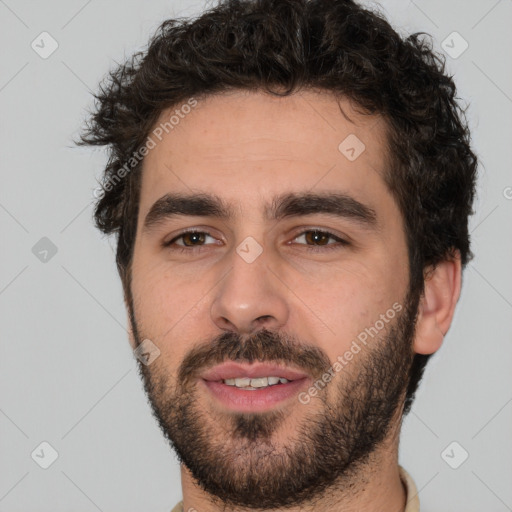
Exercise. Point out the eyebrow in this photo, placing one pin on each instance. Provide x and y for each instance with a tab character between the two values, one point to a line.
283	206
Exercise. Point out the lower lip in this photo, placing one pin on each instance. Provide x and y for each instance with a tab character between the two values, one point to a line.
254	400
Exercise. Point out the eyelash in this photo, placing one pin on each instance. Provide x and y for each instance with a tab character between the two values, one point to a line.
328	247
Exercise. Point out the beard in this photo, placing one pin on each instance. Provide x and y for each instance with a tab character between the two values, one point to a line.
246	460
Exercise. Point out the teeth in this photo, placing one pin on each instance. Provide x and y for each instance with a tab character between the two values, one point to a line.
260	382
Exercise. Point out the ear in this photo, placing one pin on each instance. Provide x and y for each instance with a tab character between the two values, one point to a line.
437	305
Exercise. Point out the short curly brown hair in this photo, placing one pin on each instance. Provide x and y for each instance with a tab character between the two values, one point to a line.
281	46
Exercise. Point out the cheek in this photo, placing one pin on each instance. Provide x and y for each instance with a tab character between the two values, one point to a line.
162	299
169	307
156	295
350	298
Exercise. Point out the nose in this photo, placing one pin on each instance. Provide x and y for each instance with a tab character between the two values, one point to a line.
250	297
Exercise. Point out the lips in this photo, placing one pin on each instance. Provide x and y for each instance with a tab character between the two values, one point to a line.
233	370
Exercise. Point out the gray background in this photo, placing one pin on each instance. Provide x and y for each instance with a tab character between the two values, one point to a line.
67	374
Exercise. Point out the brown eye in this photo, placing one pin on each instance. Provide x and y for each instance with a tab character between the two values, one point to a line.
316	239
190	240
195	238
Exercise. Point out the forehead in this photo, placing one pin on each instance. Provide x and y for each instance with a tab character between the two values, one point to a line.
244	145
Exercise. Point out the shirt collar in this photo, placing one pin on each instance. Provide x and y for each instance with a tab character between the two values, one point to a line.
412	501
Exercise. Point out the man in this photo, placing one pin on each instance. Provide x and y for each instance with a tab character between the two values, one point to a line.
290	183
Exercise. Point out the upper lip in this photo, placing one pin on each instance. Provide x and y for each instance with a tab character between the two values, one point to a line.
233	370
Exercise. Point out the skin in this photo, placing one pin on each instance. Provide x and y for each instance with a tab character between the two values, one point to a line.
247	147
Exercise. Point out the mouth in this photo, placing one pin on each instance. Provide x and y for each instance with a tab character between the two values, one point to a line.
254	384
255	387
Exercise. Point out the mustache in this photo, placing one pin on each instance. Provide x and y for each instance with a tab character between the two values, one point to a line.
263	346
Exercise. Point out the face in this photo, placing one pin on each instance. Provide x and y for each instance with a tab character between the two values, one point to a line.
294	266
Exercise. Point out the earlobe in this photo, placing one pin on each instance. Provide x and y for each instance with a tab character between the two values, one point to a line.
437	305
